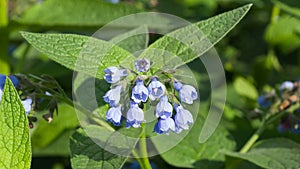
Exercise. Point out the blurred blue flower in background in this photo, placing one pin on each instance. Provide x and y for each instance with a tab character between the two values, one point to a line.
264	102
287	85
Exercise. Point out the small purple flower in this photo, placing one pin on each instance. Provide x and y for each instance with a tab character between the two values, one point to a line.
187	93
114	115
27	105
287	85
264	102
113	74
164	109
135	116
113	96
156	89
182	118
139	92
163	126
142	65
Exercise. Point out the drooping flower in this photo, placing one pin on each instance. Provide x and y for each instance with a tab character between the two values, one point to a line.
113	96
163	126
114	115
27	104
164	108
135	116
287	85
142	65
139	92
187	93
264	102
182	118
113	74
156	89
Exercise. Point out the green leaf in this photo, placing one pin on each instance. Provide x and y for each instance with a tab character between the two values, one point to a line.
191	41
286	37
279	153
14	134
45	133
85	153
189	153
58	147
75	13
245	88
80	53
133	40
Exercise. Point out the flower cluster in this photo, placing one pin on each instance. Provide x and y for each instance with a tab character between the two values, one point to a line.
145	88
33	94
285	101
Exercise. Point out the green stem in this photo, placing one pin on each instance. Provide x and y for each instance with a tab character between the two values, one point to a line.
275	13
138	158
3	13
91	116
253	138
145	163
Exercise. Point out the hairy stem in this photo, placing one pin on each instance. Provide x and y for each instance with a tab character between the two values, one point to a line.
143	150
253	138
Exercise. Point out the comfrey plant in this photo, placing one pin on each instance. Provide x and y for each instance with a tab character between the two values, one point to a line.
284	100
32	96
155	91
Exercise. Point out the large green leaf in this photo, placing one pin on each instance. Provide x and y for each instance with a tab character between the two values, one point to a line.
80	53
191	41
245	88
189	153
14	134
279	153
277	33
85	153
45	133
133	40
75	13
